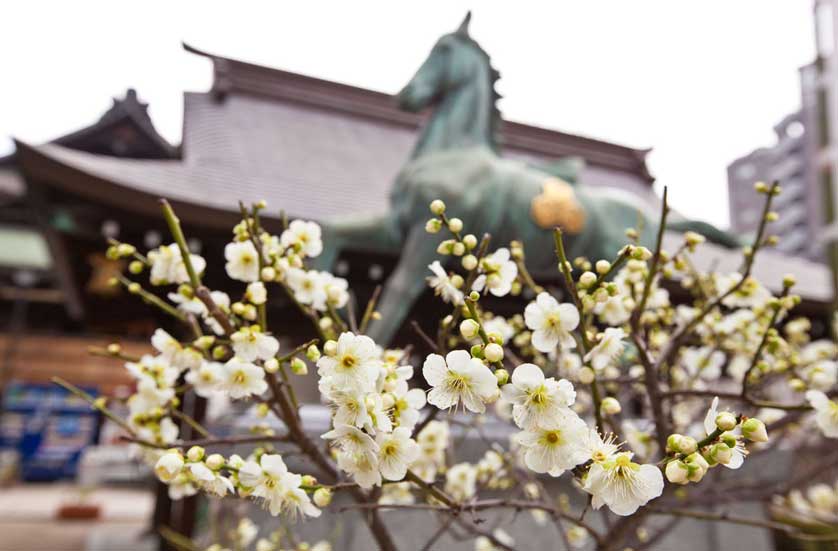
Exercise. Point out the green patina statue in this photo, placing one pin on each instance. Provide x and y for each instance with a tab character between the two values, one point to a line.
456	160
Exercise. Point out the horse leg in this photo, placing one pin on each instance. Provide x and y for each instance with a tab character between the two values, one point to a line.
376	233
404	285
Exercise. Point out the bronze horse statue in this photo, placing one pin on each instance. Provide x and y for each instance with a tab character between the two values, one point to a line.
456	160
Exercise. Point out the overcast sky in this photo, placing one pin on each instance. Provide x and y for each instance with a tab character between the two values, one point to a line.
701	82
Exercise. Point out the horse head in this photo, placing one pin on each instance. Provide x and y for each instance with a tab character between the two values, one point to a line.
459	70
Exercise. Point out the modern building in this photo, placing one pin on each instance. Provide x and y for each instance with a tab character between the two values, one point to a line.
792	160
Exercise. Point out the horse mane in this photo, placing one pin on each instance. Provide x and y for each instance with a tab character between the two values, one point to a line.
495	118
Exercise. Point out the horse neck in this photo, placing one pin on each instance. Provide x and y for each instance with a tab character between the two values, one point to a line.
462	120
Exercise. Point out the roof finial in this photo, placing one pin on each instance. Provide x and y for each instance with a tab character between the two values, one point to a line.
463	29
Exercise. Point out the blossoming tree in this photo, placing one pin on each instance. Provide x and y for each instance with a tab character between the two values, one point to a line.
602	379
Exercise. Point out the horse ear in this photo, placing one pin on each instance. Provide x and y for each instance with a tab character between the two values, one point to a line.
463	29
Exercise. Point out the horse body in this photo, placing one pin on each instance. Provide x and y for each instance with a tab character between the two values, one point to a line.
456	160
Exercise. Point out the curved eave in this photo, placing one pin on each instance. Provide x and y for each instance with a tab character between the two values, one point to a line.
43	168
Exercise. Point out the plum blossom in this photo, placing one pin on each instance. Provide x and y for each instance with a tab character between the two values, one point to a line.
826	412
240	379
459	378
355	365
242	261
607	349
270	480
443	285
555	448
498	273
205	379
536	400
250	344
396	451
623	485
167	265
304	237
551	323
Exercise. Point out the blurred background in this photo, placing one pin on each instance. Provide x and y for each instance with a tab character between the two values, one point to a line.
106	107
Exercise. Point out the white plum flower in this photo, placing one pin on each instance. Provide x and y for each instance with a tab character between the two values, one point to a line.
396	451
242	261
826	412
169	466
336	290
184	357
442	284
551	323
350	407
738	452
205	379
352	440
304	237
308	286
155	368
406	404
280	490
256	293
614	311
240	379
250	344
622	485
500	326
751	293
554	449
149	397
461	481
704	362
498	273
362	466
210	480
821	375
597	448
459	378
536	400
167	265
356	363
607	349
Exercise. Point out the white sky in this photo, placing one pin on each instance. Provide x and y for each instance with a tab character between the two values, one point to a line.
702	82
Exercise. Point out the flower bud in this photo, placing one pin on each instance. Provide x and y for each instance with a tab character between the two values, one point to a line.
268	273
458	249
308	480
469	262
256	293
469	328
215	461
219	352
754	430
330	348
433	225
474	296
322	497
136	267
493	352
455	225
262	410
470	241
587	279
134	288
502	376
437	207
168	466
298	367
313	353
477	351
195	454
457	281
677	472
586	375
726	421
721	453
271	365
610	406
697	466
789	281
